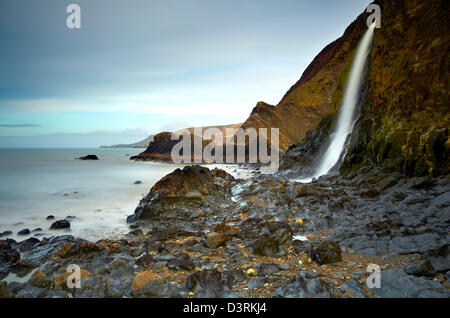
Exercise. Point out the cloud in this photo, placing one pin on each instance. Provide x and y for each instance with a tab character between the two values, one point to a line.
19	125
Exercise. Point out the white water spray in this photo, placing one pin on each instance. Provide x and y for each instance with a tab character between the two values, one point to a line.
345	121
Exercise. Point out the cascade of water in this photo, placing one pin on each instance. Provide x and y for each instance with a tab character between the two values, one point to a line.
346	115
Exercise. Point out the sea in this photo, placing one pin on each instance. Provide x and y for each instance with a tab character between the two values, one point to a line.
96	196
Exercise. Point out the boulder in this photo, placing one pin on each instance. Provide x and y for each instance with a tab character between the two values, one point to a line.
395	283
5	233
146	284
187	188
61	224
215	240
327	252
306	285
24	232
88	157
207	283
421	267
181	262
8	254
266	246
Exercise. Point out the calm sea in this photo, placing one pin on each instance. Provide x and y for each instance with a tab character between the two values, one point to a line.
38	182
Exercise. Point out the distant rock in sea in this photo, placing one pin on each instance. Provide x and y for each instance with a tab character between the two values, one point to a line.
88	157
61	224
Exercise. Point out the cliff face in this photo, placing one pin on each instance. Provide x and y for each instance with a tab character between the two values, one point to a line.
404	109
404	106
405	117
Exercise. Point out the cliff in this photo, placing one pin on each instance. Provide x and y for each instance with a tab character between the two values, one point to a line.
404	105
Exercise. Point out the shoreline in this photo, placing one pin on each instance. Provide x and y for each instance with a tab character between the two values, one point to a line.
223	241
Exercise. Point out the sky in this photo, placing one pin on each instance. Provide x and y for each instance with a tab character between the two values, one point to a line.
138	67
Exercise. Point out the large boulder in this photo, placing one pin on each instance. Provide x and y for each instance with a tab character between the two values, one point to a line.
61	224
327	252
188	188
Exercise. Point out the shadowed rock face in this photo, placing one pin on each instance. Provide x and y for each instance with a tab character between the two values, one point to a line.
192	186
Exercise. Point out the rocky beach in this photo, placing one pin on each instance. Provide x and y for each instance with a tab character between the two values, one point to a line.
203	233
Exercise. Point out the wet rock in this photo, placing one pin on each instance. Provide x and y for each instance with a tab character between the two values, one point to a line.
190	187
5	233
257	282
233	276
327	252
134	226
280	232
39	280
24	232
214	240
266	246
88	157
395	283
91	287
136	232
8	255
118	288
207	283
61	224
50	217
38	229
70	217
121	266
421	267
28	244
146	284
144	260
181	262
4	291
138	182
303	247
269	268
306	285
352	288
439	257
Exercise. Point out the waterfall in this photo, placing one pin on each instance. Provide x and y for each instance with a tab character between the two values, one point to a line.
346	115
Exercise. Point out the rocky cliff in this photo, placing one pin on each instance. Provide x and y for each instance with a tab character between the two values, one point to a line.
404	106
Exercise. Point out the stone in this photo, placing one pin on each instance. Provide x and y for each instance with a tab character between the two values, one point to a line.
327	252
269	268
28	244
257	282
61	224
146	284
24	232
88	157
214	240
421	267
5	233
306	285
181	262
395	283
266	246
206	283
252	272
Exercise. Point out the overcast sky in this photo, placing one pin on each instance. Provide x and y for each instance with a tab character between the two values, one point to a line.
141	66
